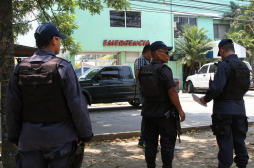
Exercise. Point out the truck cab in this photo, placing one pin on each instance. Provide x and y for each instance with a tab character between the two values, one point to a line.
107	84
200	80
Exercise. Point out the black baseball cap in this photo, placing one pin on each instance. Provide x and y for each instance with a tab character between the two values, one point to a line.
159	45
46	31
223	43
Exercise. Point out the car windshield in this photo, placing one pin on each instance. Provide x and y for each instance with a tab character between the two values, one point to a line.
90	73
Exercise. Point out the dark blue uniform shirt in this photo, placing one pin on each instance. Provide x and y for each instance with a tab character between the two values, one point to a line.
54	134
166	74
223	106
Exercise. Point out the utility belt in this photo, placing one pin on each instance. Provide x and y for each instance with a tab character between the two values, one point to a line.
218	124
75	156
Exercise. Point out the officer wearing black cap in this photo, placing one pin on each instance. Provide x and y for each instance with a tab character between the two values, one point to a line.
158	90
229	121
45	108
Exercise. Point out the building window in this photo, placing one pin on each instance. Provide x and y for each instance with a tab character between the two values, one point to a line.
125	19
131	56
180	21
220	30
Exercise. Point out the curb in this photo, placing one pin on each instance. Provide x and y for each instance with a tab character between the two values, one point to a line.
125	135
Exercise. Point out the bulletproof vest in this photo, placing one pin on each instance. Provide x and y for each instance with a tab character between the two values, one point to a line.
156	99
237	82
42	92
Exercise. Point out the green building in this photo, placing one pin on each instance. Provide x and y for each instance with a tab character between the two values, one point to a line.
117	38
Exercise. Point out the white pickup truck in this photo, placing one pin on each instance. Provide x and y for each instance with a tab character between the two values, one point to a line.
200	80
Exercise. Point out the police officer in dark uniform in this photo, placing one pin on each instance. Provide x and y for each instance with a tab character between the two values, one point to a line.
158	90
45	108
229	121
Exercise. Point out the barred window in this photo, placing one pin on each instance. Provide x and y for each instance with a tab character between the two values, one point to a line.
125	19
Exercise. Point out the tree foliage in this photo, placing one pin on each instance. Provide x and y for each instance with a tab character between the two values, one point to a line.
192	46
243	32
59	12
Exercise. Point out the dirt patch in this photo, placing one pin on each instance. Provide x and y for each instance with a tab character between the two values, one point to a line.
198	150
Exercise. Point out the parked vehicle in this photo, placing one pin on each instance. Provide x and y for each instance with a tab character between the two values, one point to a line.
200	80
108	84
251	74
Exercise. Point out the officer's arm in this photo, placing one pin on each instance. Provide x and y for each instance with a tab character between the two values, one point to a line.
13	107
219	82
168	82
76	102
172	93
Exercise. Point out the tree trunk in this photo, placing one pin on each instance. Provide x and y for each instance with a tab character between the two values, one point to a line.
6	68
192	67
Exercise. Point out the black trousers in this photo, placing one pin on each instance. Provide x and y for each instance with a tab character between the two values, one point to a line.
142	138
37	156
166	129
232	140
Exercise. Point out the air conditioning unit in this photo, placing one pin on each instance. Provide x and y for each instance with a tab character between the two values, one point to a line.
175	26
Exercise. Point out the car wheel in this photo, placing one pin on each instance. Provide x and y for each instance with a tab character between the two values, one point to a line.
190	87
134	102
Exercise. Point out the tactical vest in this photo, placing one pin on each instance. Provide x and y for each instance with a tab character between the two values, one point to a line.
237	82
42	92
156	99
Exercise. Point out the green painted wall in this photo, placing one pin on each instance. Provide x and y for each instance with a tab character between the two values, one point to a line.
177	71
94	29
207	23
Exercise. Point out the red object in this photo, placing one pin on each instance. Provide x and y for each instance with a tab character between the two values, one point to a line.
104	42
121	43
116	42
135	43
110	43
125	42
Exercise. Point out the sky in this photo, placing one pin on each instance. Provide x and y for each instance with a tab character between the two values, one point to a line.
28	39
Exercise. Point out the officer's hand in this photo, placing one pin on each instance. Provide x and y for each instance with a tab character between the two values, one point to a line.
202	100
182	115
85	144
16	145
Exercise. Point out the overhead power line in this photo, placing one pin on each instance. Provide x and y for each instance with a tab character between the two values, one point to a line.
212	3
159	10
190	13
188	6
169	4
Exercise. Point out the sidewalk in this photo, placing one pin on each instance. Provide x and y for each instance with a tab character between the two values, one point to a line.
198	150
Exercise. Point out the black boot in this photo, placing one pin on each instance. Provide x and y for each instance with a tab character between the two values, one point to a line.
151	165
169	166
241	166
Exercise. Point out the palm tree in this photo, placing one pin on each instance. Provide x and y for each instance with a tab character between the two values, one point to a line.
192	46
